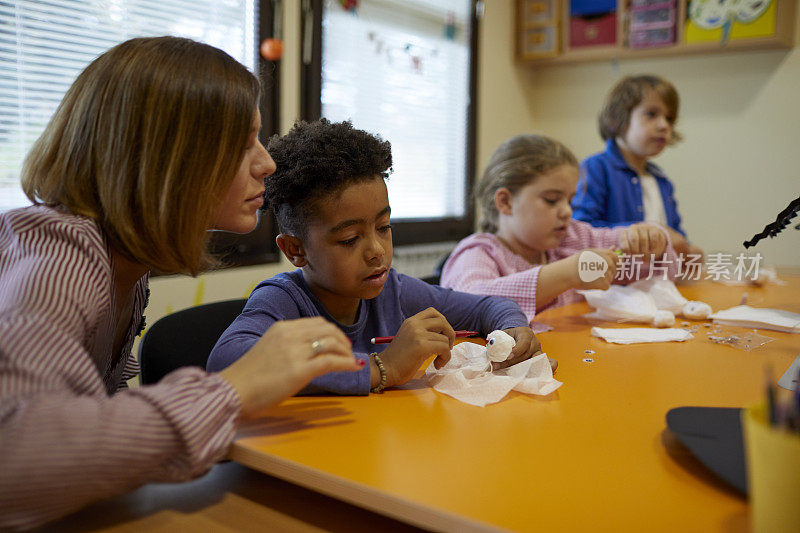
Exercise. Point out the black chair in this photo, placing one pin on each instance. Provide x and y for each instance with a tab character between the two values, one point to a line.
184	338
436	277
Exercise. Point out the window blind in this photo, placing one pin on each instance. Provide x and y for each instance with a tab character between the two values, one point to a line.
400	68
44	44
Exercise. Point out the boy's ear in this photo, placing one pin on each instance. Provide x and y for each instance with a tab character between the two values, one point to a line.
292	248
503	201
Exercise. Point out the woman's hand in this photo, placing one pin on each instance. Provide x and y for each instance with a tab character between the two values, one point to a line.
289	355
420	336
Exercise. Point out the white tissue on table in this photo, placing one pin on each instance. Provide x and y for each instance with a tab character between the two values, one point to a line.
468	376
636	335
653	301
755	317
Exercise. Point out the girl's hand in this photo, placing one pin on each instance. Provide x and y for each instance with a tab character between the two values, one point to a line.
697	251
420	336
527	345
643	239
682	246
581	275
285	359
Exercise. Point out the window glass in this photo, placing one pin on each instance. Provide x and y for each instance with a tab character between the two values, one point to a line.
401	69
44	44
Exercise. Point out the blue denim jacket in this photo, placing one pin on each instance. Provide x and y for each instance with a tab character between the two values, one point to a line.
610	193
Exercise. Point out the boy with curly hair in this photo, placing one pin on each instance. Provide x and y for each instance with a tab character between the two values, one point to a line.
332	206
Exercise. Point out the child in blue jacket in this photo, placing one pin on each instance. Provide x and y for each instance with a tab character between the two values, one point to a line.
621	186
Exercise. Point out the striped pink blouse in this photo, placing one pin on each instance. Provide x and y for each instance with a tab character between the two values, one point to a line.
70	431
481	264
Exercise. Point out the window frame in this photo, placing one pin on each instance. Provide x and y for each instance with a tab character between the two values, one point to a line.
259	246
404	231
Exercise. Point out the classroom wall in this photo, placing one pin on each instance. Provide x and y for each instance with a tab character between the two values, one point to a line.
740	118
735	170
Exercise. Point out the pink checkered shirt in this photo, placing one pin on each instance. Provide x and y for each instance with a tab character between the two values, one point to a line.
481	264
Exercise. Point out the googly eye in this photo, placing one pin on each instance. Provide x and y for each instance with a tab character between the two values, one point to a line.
491	341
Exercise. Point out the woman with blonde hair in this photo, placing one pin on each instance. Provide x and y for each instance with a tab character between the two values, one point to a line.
155	143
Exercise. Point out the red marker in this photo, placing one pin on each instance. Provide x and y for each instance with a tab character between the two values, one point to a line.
387	340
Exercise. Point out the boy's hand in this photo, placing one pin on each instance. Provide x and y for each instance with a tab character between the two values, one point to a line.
526	347
644	239
420	336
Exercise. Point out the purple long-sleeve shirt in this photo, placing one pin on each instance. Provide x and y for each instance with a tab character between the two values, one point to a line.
286	296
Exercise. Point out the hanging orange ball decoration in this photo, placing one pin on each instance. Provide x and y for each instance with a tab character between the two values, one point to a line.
271	49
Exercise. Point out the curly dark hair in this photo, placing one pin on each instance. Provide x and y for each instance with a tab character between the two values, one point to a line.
317	159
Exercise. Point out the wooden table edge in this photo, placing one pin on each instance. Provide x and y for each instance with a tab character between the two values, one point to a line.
357	494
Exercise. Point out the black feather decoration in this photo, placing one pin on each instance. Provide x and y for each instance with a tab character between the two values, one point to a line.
772	229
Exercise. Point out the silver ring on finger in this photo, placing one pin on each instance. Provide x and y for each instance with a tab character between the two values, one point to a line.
316	347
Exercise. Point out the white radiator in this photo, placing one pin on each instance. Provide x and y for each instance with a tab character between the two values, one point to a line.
420	260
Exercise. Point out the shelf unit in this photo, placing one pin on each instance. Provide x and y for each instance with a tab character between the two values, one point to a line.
542	29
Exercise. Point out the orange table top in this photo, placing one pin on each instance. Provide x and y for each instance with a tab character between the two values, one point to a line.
594	455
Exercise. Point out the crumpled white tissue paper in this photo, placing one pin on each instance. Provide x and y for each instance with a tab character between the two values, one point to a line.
758	317
468	377
664	292
652	301
636	335
621	303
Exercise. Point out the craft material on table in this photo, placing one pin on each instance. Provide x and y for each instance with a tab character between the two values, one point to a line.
468	376
637	335
714	436
756	317
747	341
789	378
653	301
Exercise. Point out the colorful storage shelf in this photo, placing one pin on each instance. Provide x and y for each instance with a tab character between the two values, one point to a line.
559	31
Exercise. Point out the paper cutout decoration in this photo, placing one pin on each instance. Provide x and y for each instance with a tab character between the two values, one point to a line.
724	20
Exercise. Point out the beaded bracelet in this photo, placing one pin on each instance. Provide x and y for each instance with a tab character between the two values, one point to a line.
382	370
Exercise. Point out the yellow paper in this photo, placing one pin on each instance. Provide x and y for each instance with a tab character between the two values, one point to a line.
763	26
773	473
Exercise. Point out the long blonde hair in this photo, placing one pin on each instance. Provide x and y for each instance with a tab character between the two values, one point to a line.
147	141
513	165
